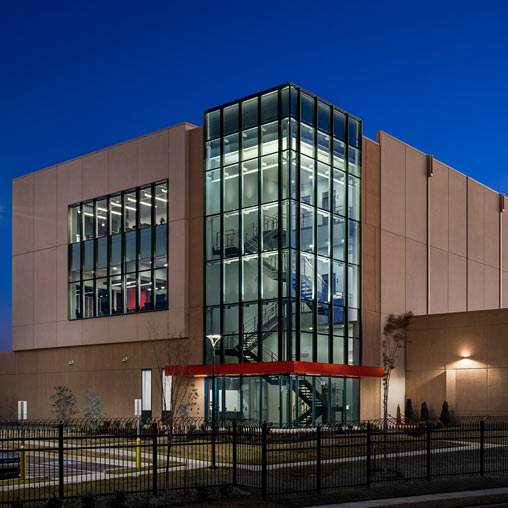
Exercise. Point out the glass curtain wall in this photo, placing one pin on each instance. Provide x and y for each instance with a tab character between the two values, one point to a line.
282	174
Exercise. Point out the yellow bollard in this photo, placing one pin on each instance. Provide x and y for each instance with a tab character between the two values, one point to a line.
22	463
138	454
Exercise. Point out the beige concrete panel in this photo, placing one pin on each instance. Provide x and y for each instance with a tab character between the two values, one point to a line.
45	203
123	328
370	407
504	281
45	335
457	212
466	319
416	195
153	157
451	389
439	207
23	289
61	282
22	337
68	333
178	187
45	273
491	228
123	166
425	350
457	283
471	390
177	319
393	184
7	363
22	215
491	288
429	322
153	326
504	236
69	192
497	338
95	331
393	283
196	335
94	175
475	286
428	386
438	281
196	262
497	317
416	277
178	272
476	221
469	342
497	392
196	173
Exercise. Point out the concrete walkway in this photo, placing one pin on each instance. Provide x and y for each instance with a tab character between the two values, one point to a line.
429	498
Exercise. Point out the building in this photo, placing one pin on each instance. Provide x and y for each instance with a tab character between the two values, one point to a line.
277	225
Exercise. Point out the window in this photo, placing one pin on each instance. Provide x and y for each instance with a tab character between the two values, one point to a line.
146	390
166	383
118	254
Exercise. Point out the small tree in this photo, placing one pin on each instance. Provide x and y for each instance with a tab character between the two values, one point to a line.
394	335
94	407
445	414
399	418
64	403
424	412
409	412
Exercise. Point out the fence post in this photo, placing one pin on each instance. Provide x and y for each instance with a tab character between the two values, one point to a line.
428	451
369	453
60	460
154	458
482	447
318	459
234	451
264	436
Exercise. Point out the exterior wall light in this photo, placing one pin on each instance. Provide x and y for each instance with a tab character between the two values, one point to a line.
125	358
72	362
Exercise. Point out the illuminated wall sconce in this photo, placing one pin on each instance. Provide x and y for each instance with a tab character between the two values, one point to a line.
465	358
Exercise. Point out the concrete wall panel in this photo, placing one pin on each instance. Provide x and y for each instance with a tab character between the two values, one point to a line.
45	206
45	335
23	290
457	213
178	173
94	175
153	157
471	391
69	192
416	195
476	221
439	207
428	386
22	215
497	400
393	283
22	337
438	281
45	274
475	286
457	283
504	282
491	228
416	277
425	350
491	288
123	166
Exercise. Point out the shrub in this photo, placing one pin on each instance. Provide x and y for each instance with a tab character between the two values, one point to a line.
445	414
410	414
88	500
54	502
424	412
118	499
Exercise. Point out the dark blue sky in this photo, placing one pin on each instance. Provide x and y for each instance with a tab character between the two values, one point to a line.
80	76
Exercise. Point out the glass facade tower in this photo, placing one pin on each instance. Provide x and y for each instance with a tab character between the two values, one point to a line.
282	187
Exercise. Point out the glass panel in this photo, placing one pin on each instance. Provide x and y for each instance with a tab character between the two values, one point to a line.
88	220
129	207
231	355
102	257
269	107
231	278
249	113
307	140
270	398
339	150
130	252
231	149
284	99
75	224
353	352
250	183
88	260
269	138
338	283
146	390
212	320
75	301
213	237
339	192
250	398
161	203
230	119
89	303
354	161
338	320
339	125
161	289
250	230
285	176
323	233
250	278
323	322
307	276
161	246
250	143
352	400
231	188
75	264
338	350
231	235
145	249
145	207
354	132
213	154
101	217
145	291
323	349
323	186
115	214
213	124
213	283
353	323
323	275
284	229
270	267
116	295
131	291
293	212
338	238
102	297
293	128
284	142
306	347
323	117
270	218
231	319
323	147
307	108
116	255
354	197
270	178
167	384
306	180
354	242
353	286
212	187
307	228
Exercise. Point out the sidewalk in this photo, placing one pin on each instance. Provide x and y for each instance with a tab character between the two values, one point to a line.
395	501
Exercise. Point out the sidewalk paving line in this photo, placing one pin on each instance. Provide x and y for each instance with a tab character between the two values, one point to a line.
394	501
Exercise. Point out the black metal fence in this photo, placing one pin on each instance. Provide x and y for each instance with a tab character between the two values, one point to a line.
102	457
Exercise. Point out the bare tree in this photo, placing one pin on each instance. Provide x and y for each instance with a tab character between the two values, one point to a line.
394	333
64	403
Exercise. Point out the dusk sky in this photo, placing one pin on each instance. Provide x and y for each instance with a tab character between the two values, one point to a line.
80	76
